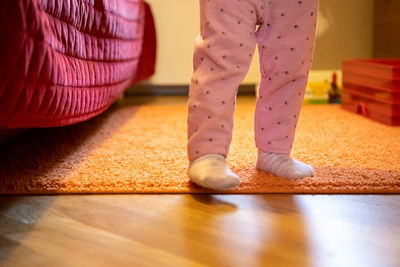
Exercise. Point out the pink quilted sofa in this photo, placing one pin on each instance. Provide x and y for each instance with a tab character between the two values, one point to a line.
65	61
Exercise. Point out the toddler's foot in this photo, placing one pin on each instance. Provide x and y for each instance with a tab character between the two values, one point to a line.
283	165
211	171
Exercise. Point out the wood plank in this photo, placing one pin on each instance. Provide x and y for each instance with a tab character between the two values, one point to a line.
200	230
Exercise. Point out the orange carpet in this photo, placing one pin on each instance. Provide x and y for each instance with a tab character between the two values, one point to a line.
141	149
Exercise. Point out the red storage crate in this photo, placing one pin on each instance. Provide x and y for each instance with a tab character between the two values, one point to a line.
371	87
388	69
370	108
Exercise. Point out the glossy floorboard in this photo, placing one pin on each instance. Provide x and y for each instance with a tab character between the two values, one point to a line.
200	230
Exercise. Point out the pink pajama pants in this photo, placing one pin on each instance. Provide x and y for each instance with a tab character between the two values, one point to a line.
223	51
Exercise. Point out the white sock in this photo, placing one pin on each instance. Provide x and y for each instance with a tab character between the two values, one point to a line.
283	165
211	171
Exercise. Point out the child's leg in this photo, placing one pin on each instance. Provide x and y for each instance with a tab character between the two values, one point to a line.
223	52
286	44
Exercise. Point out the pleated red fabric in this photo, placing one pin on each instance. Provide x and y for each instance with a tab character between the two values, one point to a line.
63	62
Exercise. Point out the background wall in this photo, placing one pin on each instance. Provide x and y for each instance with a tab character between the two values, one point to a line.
386	28
345	29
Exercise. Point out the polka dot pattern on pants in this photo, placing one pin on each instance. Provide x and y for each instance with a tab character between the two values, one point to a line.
224	49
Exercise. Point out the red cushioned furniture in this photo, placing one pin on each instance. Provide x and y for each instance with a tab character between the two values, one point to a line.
65	61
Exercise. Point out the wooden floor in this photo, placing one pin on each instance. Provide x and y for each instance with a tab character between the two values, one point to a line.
200	230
